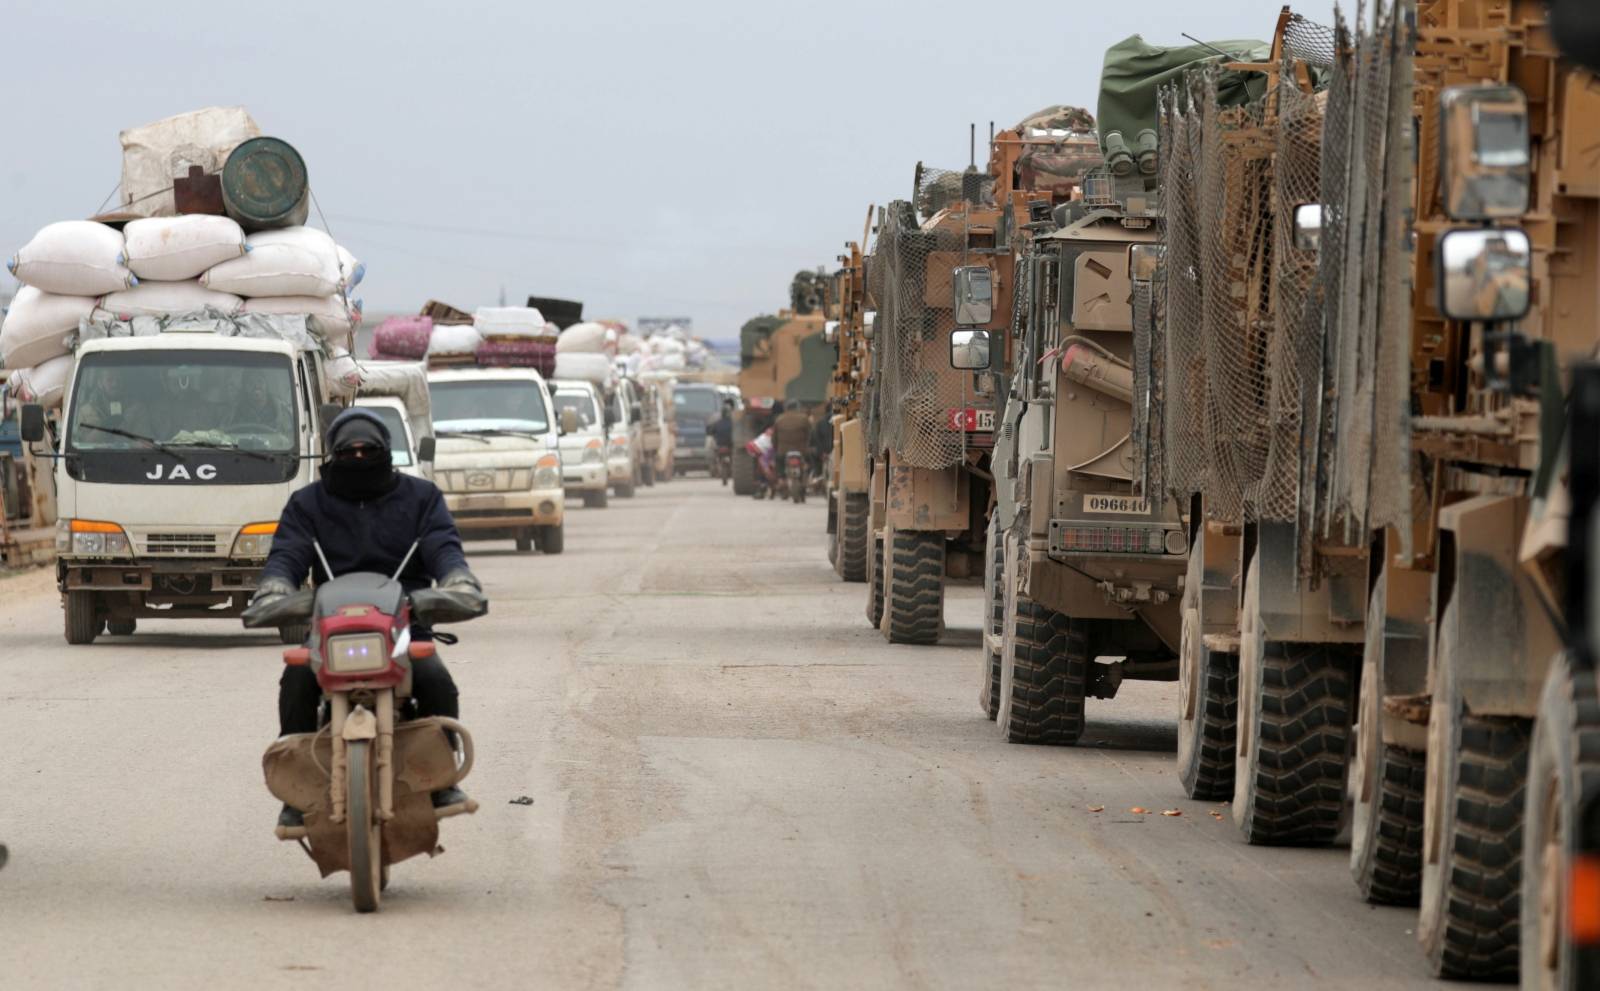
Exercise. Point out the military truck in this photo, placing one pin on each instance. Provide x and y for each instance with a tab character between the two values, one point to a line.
781	357
849	508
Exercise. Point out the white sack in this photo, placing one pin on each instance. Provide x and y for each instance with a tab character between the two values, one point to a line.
309	238
154	299
74	258
586	365
351	271
172	249
510	321
454	339
44	383
341	376
156	154
332	314
274	268
37	324
583	337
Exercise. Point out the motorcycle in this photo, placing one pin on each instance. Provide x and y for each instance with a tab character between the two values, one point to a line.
722	465
364	780
794	473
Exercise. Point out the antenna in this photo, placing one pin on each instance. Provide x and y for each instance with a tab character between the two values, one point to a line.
991	132
972	145
1205	44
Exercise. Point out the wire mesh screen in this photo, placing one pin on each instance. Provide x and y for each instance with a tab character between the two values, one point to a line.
917	389
1309	42
1149	376
941	188
1182	437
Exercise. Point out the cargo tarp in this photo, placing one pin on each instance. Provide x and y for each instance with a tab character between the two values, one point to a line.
817	358
1135	71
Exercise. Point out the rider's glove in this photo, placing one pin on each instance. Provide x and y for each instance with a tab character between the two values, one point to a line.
271	590
461	580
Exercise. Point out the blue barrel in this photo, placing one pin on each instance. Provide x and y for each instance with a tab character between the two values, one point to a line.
264	185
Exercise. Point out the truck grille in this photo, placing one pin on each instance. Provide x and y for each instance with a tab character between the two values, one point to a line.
473	481
185	544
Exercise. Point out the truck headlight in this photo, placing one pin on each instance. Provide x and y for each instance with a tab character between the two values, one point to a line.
547	473
254	540
619	447
593	452
92	538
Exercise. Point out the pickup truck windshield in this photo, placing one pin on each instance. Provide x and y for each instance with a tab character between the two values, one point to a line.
579	402
701	402
488	404
139	400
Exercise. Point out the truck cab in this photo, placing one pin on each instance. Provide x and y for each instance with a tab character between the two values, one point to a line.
694	406
407	450
177	455
624	438
498	459
585	470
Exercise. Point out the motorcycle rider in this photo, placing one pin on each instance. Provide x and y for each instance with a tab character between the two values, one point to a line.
365	516
791	431
722	433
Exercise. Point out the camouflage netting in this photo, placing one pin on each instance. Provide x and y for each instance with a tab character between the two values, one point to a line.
1266	384
940	188
916	388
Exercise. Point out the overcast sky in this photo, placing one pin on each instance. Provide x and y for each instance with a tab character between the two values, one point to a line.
648	159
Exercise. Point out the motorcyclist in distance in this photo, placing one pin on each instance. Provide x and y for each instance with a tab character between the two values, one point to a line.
365	516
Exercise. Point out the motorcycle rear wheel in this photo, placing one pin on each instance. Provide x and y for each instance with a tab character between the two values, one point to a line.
366	842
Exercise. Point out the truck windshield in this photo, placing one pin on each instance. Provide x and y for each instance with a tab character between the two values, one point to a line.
579	402
401	449
488	404
701	402
135	400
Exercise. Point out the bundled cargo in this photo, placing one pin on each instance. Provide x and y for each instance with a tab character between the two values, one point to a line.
177	249
74	258
278	267
37	325
402	338
454	341
588	337
156	154
44	383
152	299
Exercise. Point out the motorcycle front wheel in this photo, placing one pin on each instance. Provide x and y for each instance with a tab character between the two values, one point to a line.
361	822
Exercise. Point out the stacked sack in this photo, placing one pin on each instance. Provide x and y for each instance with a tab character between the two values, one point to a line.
587	351
156	266
515	336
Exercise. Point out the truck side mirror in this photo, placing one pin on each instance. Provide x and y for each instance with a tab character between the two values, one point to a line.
1308	227
1485	160
974	295
569	421
32	423
426	447
969	349
1484	274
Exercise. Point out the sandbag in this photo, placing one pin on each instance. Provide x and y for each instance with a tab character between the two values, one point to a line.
74	258
44	383
454	339
153	299
334	316
174	249
586	337
276	268
156	154
37	324
511	321
586	365
402	338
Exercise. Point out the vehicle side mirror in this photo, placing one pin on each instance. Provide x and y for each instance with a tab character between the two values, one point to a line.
32	423
1485	160
969	349
426	447
569	421
1484	274
1308	227
974	295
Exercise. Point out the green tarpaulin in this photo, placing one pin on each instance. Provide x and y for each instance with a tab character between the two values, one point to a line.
1136	70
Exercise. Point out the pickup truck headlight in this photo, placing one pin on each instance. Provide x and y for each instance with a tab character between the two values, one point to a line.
254	540
594	452
547	472
92	538
619	447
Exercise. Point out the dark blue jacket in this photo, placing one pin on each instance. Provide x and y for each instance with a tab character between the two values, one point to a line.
367	536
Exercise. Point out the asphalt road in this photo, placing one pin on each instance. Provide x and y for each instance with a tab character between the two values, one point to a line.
735	783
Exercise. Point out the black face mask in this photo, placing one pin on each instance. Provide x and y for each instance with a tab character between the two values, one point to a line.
360	479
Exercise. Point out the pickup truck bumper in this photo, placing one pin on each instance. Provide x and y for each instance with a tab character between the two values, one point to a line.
692	457
585	476
620	470
484	516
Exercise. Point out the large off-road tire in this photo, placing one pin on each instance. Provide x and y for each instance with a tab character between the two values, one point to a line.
1472	833
994	619
1294	733
854	516
81	617
913	589
744	472
1387	784
595	500
875	583
1563	763
624	490
361	827
553	538
121	627
1208	701
1044	671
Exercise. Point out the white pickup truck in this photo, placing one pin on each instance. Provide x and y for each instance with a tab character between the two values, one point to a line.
177	453
498	457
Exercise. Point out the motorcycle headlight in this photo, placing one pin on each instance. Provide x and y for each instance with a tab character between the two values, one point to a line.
354	653
92	538
547	473
254	540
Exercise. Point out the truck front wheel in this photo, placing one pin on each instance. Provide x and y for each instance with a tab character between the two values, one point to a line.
552	539
82	617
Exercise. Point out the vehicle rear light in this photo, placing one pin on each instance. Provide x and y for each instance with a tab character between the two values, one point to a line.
356	653
1583	899
297	657
421	650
